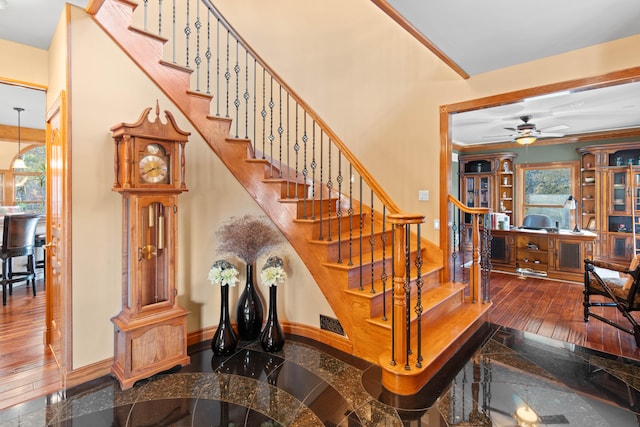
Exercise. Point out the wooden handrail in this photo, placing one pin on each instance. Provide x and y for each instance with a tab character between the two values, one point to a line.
467	209
475	268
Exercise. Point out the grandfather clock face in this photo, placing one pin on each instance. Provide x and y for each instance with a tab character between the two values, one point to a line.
153	253
154	164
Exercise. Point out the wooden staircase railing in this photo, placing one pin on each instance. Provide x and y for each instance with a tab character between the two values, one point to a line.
480	252
382	280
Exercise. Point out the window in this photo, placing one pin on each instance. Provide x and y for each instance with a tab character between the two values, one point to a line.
29	187
544	189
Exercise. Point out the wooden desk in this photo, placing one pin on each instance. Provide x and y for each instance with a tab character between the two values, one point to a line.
540	253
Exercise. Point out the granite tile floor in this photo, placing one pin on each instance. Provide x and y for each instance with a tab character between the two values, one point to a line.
502	378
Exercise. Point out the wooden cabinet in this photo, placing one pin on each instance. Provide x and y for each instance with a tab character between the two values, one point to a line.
610	198
532	253
502	249
486	181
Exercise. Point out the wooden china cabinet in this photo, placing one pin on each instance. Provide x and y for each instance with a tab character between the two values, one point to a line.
486	181
610	198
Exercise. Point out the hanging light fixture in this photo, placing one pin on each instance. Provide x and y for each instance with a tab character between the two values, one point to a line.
19	162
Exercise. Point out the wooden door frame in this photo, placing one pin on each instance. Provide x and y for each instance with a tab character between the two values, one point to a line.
60	107
446	144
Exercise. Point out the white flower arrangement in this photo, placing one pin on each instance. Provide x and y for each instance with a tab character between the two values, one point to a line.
273	272
223	273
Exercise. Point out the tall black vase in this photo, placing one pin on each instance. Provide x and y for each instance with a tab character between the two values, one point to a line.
272	336
224	341
249	313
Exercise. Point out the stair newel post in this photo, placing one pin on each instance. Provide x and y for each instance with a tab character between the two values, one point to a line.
400	336
475	271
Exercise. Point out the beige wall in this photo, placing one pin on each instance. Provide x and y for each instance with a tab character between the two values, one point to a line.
23	63
380	90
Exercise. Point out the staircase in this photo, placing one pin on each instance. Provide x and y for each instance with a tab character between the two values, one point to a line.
382	280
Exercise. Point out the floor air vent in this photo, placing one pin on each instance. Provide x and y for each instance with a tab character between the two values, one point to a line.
330	324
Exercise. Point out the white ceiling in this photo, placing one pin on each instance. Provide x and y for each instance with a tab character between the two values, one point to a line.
479	36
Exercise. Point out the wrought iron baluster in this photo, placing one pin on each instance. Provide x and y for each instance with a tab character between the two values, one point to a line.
339	178
247	95
313	171
271	137
296	149
320	186
145	9
384	277
187	33
227	76
360	236
263	113
173	30
159	17
198	58
255	106
350	214
329	190
218	68
280	132
207	53
372	244
236	101
305	171
419	308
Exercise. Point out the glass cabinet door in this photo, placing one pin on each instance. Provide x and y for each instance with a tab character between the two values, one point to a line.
485	194
619	200
470	189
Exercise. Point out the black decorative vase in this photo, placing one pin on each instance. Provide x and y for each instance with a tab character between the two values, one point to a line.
249	313
272	336
224	341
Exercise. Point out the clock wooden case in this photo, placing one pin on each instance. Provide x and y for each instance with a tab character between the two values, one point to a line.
149	169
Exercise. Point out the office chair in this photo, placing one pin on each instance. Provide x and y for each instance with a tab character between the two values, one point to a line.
537	222
18	241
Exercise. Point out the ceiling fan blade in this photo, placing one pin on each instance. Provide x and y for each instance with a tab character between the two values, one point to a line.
511	129
497	136
554	128
550	134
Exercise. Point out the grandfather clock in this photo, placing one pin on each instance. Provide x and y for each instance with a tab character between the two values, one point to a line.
151	328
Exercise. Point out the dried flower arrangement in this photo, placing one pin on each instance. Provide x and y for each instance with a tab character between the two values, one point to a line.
247	237
273	273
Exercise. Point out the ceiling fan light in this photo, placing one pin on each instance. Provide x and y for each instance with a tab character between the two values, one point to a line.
526	140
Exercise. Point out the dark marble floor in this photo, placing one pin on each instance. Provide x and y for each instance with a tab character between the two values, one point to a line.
501	374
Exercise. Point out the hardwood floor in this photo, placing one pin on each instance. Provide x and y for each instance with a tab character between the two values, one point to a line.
27	369
554	310
543	307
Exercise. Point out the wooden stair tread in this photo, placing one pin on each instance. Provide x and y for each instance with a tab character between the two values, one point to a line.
366	261
439	337
432	296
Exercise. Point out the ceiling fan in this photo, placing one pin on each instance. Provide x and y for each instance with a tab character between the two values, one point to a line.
526	132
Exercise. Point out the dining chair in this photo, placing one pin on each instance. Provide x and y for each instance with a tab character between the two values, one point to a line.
18	241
